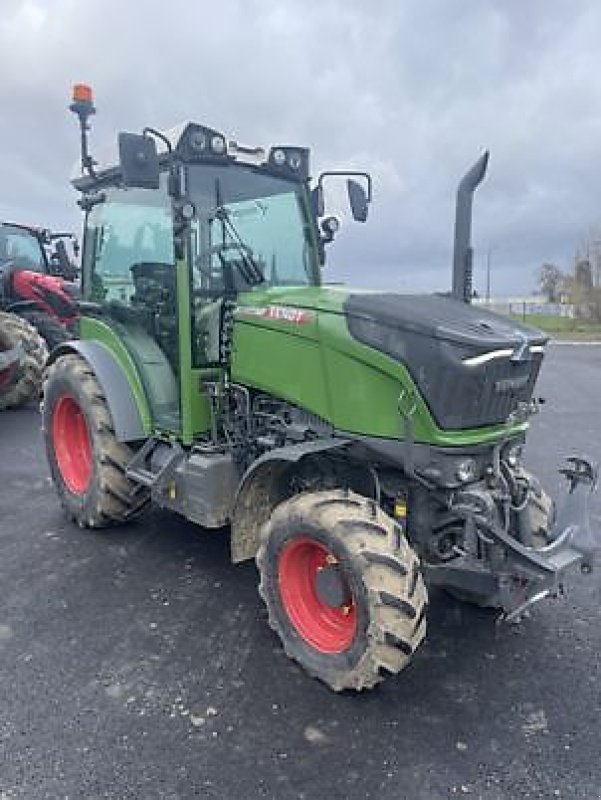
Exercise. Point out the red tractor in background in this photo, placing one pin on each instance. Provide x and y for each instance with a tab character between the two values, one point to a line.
38	279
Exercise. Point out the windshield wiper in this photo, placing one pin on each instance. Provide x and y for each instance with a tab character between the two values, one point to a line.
251	271
249	268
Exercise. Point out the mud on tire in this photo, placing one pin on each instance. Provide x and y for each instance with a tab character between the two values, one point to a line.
15	331
381	571
93	489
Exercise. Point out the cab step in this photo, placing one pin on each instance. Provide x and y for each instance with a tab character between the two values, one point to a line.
149	471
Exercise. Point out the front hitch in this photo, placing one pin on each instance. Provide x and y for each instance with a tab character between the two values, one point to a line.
572	534
528	574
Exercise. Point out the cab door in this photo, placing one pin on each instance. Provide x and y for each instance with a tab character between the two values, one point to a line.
129	270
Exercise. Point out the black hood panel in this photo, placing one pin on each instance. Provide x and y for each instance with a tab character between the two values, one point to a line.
443	318
437	339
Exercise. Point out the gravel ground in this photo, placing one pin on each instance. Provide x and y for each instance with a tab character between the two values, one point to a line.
137	663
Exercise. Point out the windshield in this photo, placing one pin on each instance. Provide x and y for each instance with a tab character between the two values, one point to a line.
267	214
22	247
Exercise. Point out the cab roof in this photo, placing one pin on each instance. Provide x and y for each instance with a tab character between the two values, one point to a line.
192	142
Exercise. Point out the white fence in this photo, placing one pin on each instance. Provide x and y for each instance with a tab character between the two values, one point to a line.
525	307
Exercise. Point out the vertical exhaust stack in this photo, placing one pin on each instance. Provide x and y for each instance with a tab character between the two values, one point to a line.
463	253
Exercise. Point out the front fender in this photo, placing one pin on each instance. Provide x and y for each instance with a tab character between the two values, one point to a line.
262	487
125	413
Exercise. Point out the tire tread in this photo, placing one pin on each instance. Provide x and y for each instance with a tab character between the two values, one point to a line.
390	573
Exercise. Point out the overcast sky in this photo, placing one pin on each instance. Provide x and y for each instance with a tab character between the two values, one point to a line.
412	91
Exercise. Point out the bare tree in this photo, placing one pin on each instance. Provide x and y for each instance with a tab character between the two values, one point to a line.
582	291
551	281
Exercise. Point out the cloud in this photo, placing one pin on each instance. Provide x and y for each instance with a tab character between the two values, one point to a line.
412	91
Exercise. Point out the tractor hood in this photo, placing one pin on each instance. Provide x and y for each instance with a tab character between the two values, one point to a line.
441	318
309	298
472	367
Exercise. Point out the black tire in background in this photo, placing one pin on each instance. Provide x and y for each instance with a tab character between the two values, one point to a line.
379	576
86	461
27	384
50	329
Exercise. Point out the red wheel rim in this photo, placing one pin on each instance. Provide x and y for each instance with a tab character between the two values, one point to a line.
327	629
72	444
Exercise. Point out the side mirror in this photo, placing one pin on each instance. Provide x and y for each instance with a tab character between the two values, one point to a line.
139	161
358	200
61	263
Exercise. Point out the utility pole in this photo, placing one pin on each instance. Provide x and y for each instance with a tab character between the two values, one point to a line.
597	256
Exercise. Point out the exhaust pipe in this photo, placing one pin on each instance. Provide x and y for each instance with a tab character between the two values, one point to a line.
463	253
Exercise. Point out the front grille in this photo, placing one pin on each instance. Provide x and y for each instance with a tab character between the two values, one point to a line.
460	399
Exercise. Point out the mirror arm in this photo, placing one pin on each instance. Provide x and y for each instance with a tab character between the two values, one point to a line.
88	201
158	135
343	173
174	184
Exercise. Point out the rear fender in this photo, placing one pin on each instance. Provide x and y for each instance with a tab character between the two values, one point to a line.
262	487
125	412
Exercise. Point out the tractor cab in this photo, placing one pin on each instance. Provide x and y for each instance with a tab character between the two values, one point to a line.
22	245
178	226
38	250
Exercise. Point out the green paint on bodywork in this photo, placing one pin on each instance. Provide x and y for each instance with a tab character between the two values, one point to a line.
318	298
195	407
98	331
309	359
318	366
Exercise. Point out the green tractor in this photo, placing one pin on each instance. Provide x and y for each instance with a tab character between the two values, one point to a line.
359	445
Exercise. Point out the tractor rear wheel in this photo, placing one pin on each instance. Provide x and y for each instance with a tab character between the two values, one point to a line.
343	588
26	385
86	461
49	328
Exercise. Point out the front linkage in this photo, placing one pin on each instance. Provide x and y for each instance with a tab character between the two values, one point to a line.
522	570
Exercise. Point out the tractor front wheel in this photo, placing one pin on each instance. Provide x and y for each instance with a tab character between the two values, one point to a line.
343	588
86	461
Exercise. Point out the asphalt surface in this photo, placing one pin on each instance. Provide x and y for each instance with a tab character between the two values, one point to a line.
137	663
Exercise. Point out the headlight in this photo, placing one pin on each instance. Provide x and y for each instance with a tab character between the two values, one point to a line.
198	141
279	158
465	471
294	160
218	145
330	225
513	455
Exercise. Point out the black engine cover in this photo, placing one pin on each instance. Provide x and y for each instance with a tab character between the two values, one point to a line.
433	336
